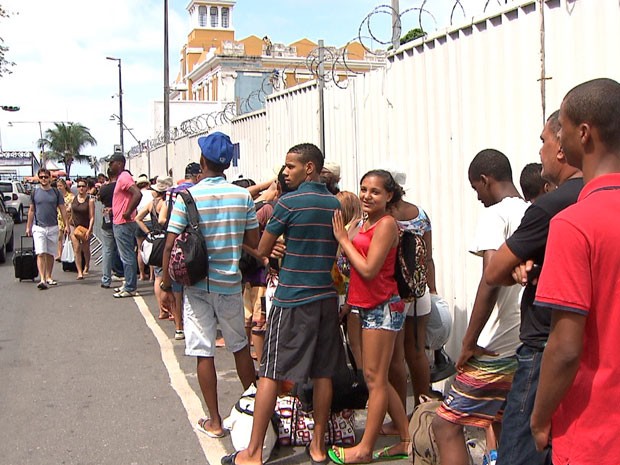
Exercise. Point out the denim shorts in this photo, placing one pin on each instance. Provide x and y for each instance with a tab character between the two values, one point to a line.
389	315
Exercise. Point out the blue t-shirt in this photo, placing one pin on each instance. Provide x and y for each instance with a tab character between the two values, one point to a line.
304	217
225	211
45	203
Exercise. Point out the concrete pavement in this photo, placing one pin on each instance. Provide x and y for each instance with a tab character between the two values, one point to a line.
89	379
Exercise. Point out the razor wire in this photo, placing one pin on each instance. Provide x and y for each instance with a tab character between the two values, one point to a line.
325	64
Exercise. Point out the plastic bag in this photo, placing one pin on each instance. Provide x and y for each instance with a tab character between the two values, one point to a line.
67	255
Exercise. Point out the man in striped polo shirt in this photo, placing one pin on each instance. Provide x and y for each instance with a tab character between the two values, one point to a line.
302	339
227	220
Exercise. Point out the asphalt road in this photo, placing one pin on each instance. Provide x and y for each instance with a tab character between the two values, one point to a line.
89	379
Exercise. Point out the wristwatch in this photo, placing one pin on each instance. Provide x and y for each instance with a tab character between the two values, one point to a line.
165	288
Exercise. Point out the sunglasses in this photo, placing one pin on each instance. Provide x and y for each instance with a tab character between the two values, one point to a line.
81	185
44	177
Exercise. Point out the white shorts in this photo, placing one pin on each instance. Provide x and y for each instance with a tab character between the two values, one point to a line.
423	305
45	239
202	312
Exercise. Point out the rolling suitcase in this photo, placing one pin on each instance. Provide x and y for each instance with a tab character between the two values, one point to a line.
25	262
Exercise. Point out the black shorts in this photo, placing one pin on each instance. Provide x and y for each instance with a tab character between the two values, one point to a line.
302	342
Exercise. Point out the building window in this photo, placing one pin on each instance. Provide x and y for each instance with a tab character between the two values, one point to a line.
225	16
202	16
213	16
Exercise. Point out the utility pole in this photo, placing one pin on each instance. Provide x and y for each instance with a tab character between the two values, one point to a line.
166	85
120	102
396	25
321	84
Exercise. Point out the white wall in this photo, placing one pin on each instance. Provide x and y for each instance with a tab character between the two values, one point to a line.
439	102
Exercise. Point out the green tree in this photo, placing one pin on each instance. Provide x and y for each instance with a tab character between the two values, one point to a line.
413	34
4	63
65	142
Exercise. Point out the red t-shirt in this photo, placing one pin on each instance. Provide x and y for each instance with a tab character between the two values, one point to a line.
121	198
582	275
369	294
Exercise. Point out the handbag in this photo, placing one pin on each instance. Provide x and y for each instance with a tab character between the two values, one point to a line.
296	426
349	387
67	256
80	233
240	420
189	259
152	248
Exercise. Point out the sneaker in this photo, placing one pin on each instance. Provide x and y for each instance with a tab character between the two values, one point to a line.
117	278
123	294
119	289
179	335
42	286
105	286
51	282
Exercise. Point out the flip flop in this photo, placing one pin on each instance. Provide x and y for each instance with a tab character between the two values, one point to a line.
384	455
200	426
230	459
316	462
336	455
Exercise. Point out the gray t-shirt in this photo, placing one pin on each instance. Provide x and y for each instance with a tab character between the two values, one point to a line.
45	204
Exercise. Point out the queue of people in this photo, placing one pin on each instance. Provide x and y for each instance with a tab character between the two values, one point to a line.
536	368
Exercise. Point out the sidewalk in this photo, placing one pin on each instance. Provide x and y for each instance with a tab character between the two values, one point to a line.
229	388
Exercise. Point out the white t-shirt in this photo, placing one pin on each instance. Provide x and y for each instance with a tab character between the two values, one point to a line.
498	222
147	197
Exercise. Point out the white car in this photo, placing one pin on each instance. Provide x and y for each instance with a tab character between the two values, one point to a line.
16	199
6	231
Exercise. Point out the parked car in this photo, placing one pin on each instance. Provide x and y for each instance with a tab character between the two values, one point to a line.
16	199
6	231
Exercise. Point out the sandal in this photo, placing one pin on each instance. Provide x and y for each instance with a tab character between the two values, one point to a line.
325	461
337	455
201	426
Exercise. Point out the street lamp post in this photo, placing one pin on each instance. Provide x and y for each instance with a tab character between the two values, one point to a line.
120	101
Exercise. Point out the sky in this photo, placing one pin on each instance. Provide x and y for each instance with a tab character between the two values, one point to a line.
62	74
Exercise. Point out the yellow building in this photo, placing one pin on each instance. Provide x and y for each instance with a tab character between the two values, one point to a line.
218	68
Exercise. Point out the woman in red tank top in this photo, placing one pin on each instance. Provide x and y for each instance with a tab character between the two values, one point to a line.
374	293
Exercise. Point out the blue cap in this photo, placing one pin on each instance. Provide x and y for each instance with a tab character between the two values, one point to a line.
216	147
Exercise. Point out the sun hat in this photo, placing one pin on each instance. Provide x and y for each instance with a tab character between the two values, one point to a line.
162	184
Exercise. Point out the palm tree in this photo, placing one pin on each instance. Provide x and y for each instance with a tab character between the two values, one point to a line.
66	141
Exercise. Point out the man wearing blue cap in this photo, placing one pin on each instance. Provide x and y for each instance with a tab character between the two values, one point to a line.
227	220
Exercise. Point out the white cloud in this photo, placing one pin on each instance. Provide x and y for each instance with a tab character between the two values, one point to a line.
62	74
